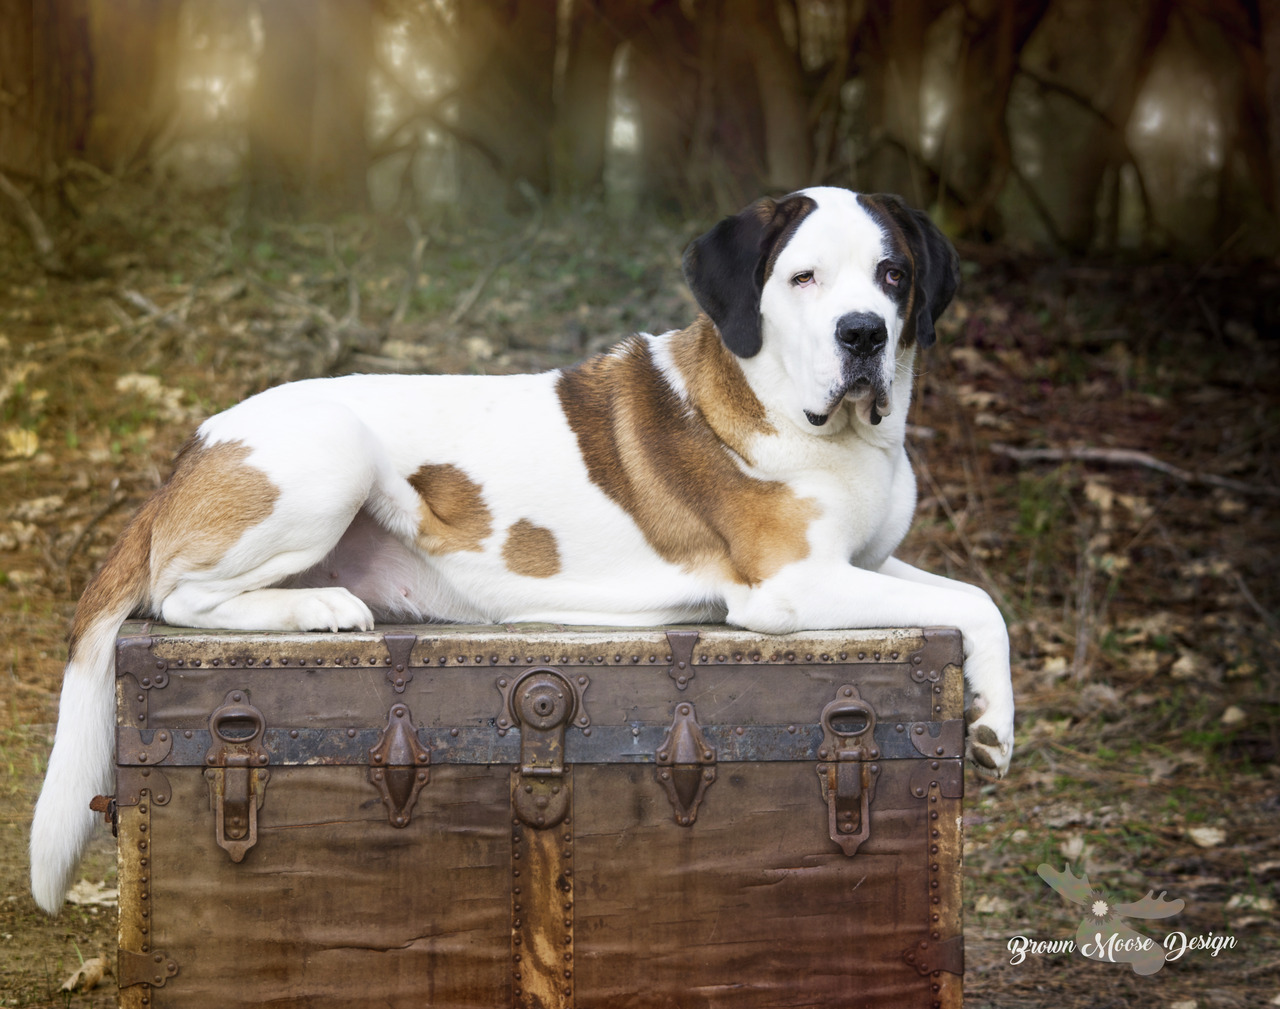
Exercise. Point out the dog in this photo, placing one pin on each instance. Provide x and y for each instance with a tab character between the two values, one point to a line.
749	469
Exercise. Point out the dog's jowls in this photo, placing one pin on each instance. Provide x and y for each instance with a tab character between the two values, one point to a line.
749	468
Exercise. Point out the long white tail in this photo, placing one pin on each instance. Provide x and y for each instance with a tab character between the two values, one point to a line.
80	765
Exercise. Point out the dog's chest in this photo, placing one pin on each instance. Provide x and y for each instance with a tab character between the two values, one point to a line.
864	493
512	816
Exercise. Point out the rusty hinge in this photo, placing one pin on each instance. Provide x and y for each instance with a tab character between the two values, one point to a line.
543	702
398	765
399	647
930	955
682	645
686	764
948	775
848	773
153	969
236	772
136	769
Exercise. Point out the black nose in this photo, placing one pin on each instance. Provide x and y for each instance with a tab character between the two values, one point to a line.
863	333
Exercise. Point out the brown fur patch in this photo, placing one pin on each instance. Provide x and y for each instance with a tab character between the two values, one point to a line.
204	507
454	515
531	550
671	468
718	388
121	585
208	503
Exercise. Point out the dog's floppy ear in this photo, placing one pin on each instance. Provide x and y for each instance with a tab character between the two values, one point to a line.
935	265
937	275
726	268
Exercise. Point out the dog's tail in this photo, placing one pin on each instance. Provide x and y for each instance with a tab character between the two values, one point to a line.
81	763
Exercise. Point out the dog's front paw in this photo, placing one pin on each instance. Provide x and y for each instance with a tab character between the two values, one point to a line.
329	609
989	740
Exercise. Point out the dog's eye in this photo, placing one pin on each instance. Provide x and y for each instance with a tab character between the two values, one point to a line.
803	279
893	276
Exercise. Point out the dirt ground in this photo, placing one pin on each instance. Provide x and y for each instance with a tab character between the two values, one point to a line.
1143	601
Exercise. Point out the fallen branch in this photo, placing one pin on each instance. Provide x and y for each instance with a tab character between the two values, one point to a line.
1130	457
46	254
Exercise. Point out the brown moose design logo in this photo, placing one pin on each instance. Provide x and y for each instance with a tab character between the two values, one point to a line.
1103	934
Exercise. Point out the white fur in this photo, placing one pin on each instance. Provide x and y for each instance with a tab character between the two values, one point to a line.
340	542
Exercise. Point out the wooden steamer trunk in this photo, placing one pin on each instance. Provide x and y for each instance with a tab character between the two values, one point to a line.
539	816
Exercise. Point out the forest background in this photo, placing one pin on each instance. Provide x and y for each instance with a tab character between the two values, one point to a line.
201	198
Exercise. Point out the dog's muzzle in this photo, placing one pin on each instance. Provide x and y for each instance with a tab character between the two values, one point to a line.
863	336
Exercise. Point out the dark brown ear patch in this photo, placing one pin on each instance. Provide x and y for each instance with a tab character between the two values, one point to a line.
726	268
935	267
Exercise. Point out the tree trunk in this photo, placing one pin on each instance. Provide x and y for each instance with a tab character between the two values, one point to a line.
728	165
506	71
134	78
46	77
307	141
582	109
338	180
669	95
784	103
1079	163
976	157
891	45
1270	11
281	109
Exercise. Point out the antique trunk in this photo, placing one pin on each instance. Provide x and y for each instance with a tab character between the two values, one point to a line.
539	816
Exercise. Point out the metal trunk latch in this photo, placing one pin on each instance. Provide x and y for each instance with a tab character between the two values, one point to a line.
236	772
542	702
686	764
398	766
848	773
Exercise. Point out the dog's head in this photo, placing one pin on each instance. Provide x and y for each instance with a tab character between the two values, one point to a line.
828	290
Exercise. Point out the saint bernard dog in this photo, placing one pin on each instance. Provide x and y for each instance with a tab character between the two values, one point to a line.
747	469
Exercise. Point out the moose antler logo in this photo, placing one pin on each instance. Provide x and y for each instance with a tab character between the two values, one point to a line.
1103	934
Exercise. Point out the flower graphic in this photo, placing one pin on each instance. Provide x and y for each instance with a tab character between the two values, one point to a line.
1100	908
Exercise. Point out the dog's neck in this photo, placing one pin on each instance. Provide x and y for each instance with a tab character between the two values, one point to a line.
717	388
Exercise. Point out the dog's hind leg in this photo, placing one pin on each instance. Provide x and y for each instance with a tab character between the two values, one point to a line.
240	514
250	516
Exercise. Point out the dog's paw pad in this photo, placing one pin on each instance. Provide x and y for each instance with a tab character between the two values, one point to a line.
981	756
987	747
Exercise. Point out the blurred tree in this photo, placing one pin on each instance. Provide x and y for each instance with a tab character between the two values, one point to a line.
889	58
581	132
669	95
46	86
308	150
783	95
135	83
505	74
727	160
1090	82
976	156
1270	37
